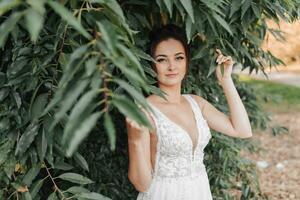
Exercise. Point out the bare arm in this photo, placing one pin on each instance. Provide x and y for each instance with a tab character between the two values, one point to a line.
238	124
235	125
139	172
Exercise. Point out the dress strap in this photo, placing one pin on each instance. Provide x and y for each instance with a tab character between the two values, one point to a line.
195	105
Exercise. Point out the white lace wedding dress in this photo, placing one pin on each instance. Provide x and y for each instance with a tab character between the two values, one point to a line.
179	174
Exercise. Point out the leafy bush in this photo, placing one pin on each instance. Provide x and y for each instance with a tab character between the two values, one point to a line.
71	69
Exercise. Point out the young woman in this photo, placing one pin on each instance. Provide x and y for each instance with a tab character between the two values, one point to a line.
166	163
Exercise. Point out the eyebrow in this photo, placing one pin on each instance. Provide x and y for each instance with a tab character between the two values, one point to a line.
162	55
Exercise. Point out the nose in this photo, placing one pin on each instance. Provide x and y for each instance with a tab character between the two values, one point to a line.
172	65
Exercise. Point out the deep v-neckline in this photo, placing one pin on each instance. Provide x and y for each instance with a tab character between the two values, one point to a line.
181	128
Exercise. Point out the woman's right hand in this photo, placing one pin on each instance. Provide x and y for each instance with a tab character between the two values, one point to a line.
136	131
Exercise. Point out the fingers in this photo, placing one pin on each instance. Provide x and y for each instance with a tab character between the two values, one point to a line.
218	51
222	59
132	123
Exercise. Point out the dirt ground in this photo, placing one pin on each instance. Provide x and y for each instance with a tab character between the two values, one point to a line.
279	161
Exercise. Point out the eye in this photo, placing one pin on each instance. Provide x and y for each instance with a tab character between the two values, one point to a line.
179	58
161	60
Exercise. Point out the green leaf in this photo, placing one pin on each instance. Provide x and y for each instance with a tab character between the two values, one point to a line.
80	160
77	54
69	98
81	133
68	16
187	4
36	187
34	23
27	138
8	25
5	147
133	92
75	178
131	57
92	196
169	5
223	23
6	5
188	28
52	196
113	5
75	116
30	175
41	145
39	105
130	110
109	126
77	189
129	73
245	6
234	6
27	196
37	5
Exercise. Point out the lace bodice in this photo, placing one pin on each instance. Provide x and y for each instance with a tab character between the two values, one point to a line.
174	155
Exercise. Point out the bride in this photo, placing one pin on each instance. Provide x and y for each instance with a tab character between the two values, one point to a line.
166	162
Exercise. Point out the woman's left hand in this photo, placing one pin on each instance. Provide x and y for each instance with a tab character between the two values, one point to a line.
226	62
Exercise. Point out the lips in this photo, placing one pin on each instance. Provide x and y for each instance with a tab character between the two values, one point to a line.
171	75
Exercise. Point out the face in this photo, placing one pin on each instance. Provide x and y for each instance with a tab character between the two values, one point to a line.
170	62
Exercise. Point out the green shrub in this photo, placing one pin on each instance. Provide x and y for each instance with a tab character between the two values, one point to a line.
71	69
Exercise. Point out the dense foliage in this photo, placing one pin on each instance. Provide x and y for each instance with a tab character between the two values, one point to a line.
71	70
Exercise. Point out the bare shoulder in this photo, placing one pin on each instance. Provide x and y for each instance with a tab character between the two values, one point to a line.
200	100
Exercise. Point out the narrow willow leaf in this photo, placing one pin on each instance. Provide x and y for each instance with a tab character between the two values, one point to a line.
6	5
129	73
113	5
75	178
234	7
187	4
27	196
169	5
36	187
76	54
34	23
245	6
77	189
30	175
92	196
188	28
131	57
133	92
81	133
223	23
52	196
80	160
222	69
8	25
70	97
5	148
68	16
75	116
107	36
109	126
41	145
27	138
37	5
130	110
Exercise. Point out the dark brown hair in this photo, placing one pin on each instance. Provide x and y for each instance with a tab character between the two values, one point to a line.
165	32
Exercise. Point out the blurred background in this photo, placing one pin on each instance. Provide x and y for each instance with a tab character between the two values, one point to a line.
278	161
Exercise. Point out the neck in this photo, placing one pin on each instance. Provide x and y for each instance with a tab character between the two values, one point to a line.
173	93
